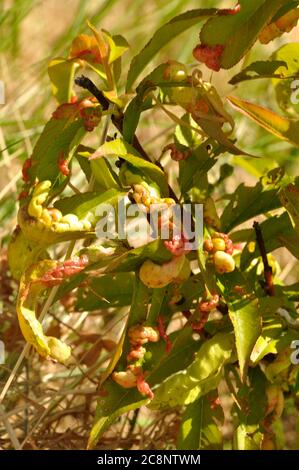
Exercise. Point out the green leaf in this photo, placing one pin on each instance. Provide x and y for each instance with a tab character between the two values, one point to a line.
163	36
140	102
59	137
111	406
107	291
247	325
277	232
246	438
61	72
120	148
82	204
274	338
244	314
119	400
118	46
283	88
103	174
199	429
247	202
285	129
200	377
198	164
261	69
237	33
289	197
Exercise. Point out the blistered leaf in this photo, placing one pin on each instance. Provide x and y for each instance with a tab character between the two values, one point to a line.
47	225
85	47
61	72
237	33
34	281
163	36
22	253
285	129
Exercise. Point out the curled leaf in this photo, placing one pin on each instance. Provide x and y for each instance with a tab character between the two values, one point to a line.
37	278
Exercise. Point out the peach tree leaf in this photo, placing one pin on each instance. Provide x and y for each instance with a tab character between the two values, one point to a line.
285	129
200	377
244	314
260	69
120	148
237	33
61	72
247	202
199	429
284	89
289	197
163	36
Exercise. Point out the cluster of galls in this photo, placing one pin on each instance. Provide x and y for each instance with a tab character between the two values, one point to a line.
204	308
134	376
177	154
211	55
220	248
88	109
145	196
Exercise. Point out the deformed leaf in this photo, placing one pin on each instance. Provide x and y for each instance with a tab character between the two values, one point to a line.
22	253
237	33
37	278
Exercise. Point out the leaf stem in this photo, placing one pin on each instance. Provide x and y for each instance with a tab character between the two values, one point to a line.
268	274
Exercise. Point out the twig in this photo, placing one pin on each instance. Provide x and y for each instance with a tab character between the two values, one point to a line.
268	274
117	119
